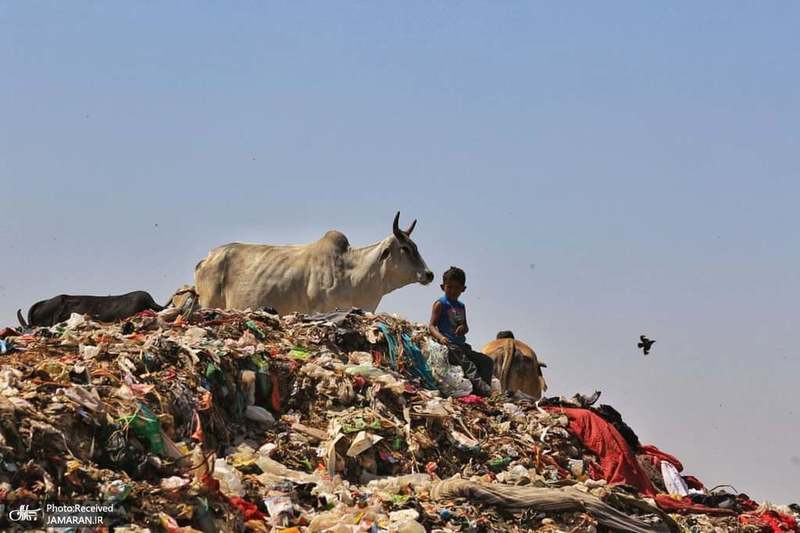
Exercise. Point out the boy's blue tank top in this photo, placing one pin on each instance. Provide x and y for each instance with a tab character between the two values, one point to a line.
453	315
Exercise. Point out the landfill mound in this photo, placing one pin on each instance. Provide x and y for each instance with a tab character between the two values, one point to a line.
246	421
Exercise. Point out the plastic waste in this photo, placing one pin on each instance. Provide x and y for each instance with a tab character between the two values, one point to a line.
360	358
89	352
6	346
367	371
116	491
195	334
301	354
257	331
278	505
403	515
513	410
362	443
673	481
74	321
228	477
496	385
518	473
410	526
466	443
267	449
259	414
449	378
146	427
499	463
576	467
173	482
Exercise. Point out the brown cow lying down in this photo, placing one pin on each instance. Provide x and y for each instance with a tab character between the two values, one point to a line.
516	366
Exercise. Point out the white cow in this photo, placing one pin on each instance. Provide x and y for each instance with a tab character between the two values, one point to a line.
317	277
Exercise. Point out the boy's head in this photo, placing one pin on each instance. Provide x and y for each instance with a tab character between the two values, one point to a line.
453	282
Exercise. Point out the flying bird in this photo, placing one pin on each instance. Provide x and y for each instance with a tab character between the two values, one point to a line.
645	344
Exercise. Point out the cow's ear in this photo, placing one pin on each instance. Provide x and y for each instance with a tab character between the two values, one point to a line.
385	253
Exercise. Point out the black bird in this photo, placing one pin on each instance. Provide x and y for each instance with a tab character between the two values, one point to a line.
645	344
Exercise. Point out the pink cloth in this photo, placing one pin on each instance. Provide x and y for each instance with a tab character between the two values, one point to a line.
470	399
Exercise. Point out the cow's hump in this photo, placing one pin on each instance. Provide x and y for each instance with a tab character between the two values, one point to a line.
336	240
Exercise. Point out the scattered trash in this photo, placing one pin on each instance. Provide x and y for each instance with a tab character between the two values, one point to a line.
259	414
6	346
214	420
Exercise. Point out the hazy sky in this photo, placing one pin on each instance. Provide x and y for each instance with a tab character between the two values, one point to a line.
599	170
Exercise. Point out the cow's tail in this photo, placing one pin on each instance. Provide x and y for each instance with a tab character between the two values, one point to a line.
21	320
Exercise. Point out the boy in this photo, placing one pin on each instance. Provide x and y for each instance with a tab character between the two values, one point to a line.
448	325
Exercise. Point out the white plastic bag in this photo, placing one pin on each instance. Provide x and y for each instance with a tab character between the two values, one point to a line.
450	378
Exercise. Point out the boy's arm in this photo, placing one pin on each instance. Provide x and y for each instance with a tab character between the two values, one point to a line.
436	312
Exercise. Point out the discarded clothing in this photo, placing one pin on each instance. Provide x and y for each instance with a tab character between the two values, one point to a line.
656	456
612	415
685	505
410	352
471	399
616	459
769	520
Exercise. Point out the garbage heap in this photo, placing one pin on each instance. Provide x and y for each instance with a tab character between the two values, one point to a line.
246	421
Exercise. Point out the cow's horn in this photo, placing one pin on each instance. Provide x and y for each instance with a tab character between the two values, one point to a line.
410	228
21	320
396	227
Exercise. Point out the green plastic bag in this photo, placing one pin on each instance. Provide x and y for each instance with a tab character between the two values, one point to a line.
146	427
257	331
301	354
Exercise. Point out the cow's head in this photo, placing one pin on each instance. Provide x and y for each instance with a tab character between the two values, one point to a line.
400	258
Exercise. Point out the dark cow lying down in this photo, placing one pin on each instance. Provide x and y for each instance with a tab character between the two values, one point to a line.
102	308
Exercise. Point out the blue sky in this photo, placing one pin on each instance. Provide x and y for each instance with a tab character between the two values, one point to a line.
599	171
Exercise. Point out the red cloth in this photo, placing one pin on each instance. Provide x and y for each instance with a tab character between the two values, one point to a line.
616	459
210	482
595	472
657	456
771	521
746	504
685	505
8	332
248	509
470	399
